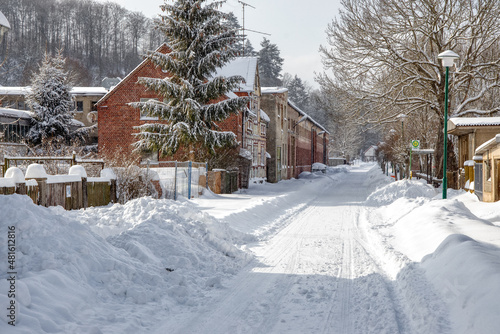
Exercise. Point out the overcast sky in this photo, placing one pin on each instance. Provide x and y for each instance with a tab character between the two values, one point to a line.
297	27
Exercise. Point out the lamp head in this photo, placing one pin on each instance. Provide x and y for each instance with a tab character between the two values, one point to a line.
448	58
4	25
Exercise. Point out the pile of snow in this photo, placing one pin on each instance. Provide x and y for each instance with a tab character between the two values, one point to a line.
395	190
115	268
457	251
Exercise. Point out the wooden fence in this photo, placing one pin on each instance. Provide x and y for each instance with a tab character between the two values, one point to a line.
69	191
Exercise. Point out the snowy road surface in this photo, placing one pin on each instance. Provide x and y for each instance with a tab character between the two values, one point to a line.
347	252
319	274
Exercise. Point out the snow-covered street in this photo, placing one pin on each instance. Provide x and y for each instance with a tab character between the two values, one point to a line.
349	251
319	274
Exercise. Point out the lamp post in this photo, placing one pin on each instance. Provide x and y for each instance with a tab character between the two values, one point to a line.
402	117
448	59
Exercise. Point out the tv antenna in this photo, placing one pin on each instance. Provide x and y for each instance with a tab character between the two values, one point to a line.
243	4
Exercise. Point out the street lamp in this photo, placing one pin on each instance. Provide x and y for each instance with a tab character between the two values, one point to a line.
4	25
448	59
403	117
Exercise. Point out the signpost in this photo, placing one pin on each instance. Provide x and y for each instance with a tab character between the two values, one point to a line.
415	145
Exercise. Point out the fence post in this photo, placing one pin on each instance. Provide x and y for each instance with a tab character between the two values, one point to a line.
5	165
206	175
190	166
175	182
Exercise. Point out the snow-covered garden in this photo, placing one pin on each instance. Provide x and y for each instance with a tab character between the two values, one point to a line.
349	251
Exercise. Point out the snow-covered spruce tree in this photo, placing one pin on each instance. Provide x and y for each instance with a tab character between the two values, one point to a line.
51	101
192	100
270	64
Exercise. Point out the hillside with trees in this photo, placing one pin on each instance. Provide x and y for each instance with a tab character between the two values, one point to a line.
97	39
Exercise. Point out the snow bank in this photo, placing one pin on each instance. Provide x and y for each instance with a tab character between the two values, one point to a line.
111	269
458	252
395	190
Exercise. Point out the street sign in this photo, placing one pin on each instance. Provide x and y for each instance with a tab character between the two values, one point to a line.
415	144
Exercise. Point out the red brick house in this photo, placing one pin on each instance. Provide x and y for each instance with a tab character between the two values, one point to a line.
311	140
117	119
295	140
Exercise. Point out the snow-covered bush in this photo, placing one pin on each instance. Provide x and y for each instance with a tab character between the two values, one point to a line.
131	180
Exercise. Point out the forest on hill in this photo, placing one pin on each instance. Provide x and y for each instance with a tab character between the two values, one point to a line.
97	39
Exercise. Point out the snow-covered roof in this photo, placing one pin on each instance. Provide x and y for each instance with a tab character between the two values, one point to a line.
371	151
489	144
242	66
264	116
306	116
273	90
14	90
90	91
475	121
16	113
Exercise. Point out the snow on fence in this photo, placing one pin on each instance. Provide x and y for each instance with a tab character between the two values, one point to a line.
61	164
72	191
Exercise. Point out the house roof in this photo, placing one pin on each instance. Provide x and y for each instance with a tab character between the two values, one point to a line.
273	90
371	151
488	145
16	113
306	116
242	66
463	125
85	91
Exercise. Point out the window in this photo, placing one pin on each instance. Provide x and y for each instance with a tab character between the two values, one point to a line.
263	129
79	106
256	155
144	115
487	169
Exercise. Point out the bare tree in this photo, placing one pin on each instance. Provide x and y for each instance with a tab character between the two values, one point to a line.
385	52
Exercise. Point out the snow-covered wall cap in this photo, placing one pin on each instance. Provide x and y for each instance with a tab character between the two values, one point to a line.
477	158
16	174
36	171
7	182
273	90
108	172
77	170
469	163
63	178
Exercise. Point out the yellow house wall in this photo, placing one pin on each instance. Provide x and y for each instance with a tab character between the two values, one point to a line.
490	186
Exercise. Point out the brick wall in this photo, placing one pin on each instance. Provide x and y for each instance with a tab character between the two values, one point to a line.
116	119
